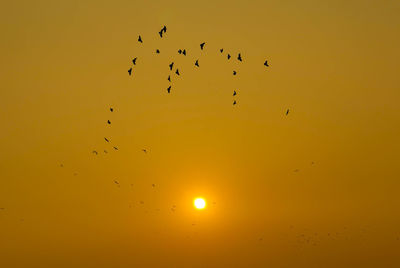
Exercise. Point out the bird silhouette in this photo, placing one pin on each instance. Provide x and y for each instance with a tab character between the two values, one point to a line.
180	51
106	140
266	63
160	33
197	63
171	65
164	29
144	150
184	52
140	39
116	182
95	152
177	72
234	93
130	71
202	45
287	112
234	102
115	148
239	57
169	78
157	51
229	56
221	50
169	89
109	122
134	61
111	109
234	72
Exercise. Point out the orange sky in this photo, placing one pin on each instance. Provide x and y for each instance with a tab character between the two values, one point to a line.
316	188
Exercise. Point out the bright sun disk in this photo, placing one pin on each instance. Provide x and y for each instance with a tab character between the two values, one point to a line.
200	203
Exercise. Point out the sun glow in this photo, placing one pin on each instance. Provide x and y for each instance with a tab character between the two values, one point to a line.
199	203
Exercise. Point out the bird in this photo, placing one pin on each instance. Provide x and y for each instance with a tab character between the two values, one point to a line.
95	152
239	57
234	72
169	89
229	56
130	71
234	102
202	45
106	140
153	185
221	50
180	51
116	182
157	51
197	63
164	29
266	63
169	78
115	148
234	93
109	122
140	39
160	33
171	65
105	152
287	112
144	150
184	52
177	72
111	109
134	61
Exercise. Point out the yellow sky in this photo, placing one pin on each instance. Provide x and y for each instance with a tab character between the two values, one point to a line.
316	188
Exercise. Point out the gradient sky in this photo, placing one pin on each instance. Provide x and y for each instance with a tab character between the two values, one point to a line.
334	64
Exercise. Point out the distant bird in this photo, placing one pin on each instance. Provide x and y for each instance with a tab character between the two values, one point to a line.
95	152
163	30
234	72
229	56
266	63
106	140
184	52
202	45
130	71
221	50
287	112
109	122
116	182
169	78
153	185
105	152
157	51
239	57
160	33
234	93
140	39
111	109
115	148
180	51
171	65
197	63
144	150
177	72
134	61
234	102
169	89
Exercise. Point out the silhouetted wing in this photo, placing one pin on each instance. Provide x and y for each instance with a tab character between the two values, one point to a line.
171	65
169	89
221	50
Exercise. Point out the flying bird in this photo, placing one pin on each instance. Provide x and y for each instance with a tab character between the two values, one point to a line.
140	39
160	33
115	148
229	56
171	65
153	185
109	122
184	52
266	63
144	150
287	112
157	51
169	78
134	61
234	102
180	51
164	29
202	45
111	109
239	57
234	93
116	182
197	63
221	50
105	152
169	89
106	140
177	72
234	72
130	71
95	152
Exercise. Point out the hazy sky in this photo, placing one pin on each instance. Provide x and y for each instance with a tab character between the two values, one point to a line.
317	188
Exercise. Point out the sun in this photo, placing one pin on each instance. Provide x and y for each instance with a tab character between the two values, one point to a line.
199	203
